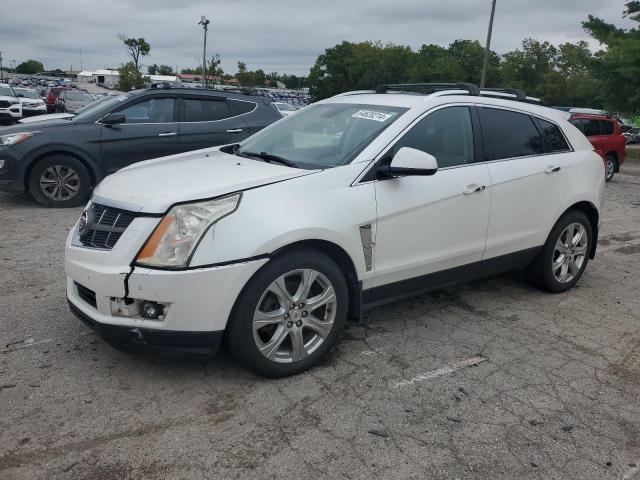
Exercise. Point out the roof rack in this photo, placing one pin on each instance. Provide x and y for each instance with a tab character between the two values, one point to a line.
430	87
469	88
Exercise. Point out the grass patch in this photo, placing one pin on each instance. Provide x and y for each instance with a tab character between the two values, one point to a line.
633	154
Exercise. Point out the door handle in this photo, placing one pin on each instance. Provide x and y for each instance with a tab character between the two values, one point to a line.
234	130
473	189
551	169
168	134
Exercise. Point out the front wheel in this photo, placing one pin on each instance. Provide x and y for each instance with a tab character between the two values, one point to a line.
289	315
565	255
610	165
59	181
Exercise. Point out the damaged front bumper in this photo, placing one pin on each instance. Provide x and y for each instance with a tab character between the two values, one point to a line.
119	335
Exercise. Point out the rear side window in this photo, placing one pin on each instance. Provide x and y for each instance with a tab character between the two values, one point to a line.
239	107
201	110
606	128
446	134
590	128
509	134
552	133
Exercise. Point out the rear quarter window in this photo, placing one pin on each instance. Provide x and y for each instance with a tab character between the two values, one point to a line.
239	107
555	139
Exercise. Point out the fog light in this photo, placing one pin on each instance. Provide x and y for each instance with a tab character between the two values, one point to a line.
151	310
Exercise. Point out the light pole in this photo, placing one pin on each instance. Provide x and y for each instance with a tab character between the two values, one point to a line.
204	21
487	45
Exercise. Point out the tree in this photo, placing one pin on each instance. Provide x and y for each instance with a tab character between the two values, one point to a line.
131	78
213	66
152	69
618	67
30	67
137	47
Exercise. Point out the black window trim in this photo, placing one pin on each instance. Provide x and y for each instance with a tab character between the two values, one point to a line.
216	98
368	173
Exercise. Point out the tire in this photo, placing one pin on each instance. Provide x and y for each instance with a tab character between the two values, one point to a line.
53	179
278	333
610	167
546	271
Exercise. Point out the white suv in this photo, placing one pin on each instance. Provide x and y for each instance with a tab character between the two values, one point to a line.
355	201
10	107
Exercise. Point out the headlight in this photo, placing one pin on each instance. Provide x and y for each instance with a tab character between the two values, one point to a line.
177	235
13	138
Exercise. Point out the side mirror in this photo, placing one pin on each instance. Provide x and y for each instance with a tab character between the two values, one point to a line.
409	161
113	118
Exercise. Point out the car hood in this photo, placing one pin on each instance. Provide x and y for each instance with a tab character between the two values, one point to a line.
37	125
155	185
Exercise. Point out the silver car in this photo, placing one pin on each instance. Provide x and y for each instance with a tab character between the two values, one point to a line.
70	101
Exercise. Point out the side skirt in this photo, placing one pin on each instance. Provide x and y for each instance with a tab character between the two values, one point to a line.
376	296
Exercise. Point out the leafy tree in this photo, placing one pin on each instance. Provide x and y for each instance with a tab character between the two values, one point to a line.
137	47
30	67
618	67
152	69
131	78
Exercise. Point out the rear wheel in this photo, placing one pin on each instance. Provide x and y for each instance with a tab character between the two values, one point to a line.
289	315
565	255
59	181
610	167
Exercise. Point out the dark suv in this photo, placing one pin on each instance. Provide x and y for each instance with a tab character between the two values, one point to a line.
58	161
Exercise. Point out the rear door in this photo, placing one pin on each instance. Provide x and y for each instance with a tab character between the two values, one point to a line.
208	121
527	181
150	130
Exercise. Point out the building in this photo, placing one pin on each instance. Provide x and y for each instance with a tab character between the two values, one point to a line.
111	77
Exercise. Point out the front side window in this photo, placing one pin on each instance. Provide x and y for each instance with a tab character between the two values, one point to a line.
324	135
508	134
153	110
200	110
557	142
446	134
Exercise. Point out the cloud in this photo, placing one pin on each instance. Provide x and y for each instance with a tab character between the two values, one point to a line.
281	35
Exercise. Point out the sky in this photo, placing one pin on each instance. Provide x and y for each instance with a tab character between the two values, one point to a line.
284	36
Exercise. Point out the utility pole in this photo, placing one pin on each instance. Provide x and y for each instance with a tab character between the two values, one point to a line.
204	21
1	71
487	46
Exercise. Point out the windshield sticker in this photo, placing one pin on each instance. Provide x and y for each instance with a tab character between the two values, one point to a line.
373	115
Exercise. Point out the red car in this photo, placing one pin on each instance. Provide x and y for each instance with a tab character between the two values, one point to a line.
605	135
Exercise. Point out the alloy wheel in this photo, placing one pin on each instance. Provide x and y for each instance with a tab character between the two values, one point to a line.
610	168
570	253
294	316
59	182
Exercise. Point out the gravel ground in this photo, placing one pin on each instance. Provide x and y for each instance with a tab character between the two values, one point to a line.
491	380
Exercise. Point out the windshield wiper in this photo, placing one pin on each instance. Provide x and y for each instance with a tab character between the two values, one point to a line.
269	158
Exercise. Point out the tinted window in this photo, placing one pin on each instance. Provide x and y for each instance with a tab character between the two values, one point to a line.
606	127
446	134
239	107
554	136
153	110
200	110
589	127
509	134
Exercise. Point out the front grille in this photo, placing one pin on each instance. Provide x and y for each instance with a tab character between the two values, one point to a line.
89	296
105	225
4	103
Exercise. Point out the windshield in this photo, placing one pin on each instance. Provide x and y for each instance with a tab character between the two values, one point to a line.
286	107
27	93
78	97
324	135
100	107
6	91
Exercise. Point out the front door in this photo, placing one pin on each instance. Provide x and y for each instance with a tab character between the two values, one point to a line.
431	230
150	130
